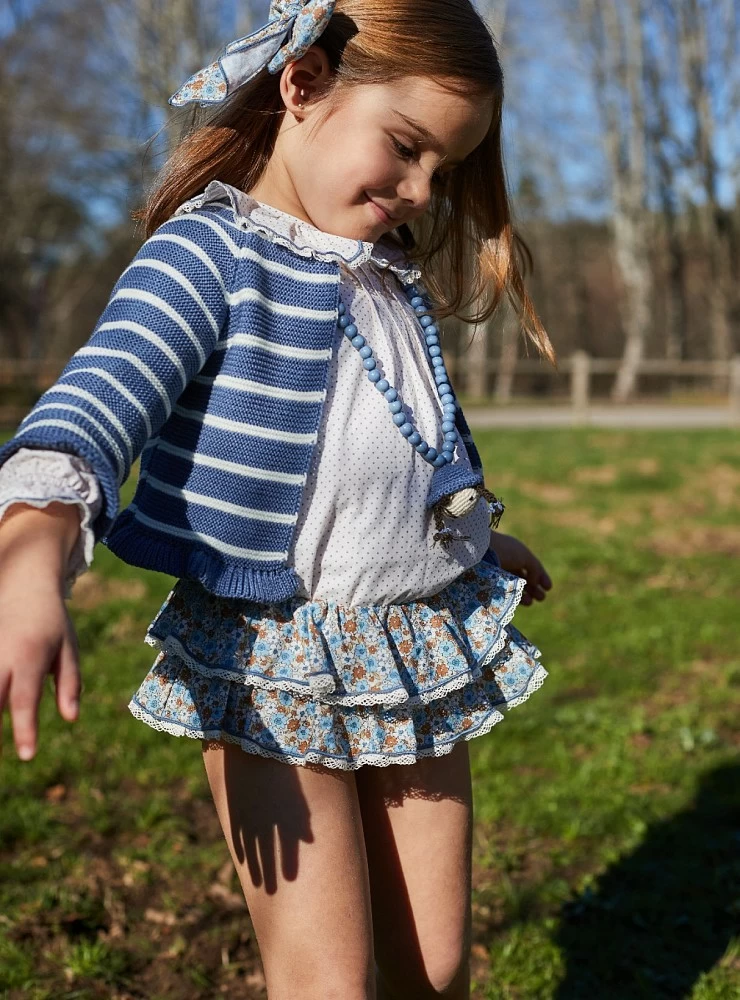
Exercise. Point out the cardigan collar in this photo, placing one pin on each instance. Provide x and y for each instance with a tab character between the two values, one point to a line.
302	237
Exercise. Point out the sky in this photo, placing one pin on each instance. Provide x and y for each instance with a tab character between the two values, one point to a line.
551	122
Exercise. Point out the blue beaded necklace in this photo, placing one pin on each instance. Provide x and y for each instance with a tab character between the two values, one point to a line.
444	390
467	498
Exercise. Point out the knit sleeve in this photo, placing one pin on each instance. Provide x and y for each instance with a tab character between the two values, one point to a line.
163	319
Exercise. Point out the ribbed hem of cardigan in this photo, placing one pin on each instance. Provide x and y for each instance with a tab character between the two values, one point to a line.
49	437
138	545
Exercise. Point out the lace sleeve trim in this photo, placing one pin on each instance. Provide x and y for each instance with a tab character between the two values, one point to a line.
38	477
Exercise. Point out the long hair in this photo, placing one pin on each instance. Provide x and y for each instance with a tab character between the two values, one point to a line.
465	243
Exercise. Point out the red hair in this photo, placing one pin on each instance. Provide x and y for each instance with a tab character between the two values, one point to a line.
465	243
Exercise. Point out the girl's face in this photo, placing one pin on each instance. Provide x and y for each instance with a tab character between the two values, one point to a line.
373	164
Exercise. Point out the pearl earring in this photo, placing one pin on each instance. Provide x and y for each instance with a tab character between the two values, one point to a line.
303	94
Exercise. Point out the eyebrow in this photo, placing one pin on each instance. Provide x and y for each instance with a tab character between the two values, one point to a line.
425	134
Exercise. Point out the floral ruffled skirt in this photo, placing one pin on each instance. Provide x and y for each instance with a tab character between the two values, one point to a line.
313	681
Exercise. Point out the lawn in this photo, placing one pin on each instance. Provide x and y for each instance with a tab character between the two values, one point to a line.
607	835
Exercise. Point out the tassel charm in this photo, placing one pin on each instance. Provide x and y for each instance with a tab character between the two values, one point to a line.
443	534
496	507
454	505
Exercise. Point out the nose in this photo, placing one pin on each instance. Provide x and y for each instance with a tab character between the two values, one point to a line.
415	190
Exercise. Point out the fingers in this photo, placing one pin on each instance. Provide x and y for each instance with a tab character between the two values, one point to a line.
4	691
537	593
532	594
25	694
67	678
538	582
27	659
22	688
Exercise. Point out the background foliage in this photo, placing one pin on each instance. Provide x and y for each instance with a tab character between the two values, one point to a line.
622	143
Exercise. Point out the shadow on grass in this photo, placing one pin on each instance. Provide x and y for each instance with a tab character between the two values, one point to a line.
663	915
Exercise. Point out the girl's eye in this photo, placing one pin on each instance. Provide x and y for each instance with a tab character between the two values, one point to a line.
401	149
437	177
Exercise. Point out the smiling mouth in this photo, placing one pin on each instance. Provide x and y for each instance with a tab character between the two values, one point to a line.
383	215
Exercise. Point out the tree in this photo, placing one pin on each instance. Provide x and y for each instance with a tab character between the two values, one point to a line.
614	32
694	30
479	348
74	141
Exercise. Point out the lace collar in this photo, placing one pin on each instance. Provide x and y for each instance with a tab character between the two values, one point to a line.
302	237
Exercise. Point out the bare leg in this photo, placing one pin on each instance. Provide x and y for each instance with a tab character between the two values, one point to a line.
418	832
295	836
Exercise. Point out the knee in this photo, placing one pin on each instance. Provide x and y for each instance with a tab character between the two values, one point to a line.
325	991
445	974
325	985
448	975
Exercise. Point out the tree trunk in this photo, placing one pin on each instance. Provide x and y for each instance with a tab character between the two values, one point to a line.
617	59
508	359
478	353
676	324
716	223
630	219
476	362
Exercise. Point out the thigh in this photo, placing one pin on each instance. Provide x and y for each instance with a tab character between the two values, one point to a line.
418	832
295	835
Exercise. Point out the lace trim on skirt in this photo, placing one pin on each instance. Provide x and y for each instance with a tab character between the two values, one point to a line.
313	681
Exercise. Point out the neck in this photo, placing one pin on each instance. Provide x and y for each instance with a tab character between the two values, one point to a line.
275	188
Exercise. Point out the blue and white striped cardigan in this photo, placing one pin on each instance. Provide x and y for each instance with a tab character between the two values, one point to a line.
210	361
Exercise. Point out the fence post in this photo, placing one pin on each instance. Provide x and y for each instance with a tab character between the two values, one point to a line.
476	363
734	394
580	384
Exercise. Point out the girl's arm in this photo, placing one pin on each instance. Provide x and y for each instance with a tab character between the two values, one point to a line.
38	636
161	323
516	558
163	320
37	478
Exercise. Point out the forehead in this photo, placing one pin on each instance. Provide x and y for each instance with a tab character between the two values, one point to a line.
458	120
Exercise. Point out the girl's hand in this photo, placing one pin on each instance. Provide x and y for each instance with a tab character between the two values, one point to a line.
38	637
516	558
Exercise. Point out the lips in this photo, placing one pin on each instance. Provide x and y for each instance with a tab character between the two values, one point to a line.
383	212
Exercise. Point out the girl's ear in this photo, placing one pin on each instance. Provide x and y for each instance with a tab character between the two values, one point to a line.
303	80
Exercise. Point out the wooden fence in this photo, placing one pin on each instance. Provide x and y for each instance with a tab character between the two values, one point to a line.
580	367
36	376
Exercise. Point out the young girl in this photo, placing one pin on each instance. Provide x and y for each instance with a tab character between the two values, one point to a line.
272	353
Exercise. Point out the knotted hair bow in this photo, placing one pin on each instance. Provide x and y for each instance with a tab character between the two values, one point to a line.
292	28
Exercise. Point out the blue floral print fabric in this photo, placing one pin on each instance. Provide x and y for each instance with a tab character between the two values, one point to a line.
314	681
293	26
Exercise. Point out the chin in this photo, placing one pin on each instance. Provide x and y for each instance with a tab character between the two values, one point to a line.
367	226
366	233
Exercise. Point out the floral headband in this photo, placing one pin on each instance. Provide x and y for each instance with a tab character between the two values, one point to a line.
292	28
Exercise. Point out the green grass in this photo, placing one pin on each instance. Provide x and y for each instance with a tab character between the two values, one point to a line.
607	830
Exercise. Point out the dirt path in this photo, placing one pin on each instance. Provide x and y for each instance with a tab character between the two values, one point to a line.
668	417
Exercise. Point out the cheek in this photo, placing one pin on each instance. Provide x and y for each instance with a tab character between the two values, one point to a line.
333	156
349	161
369	164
